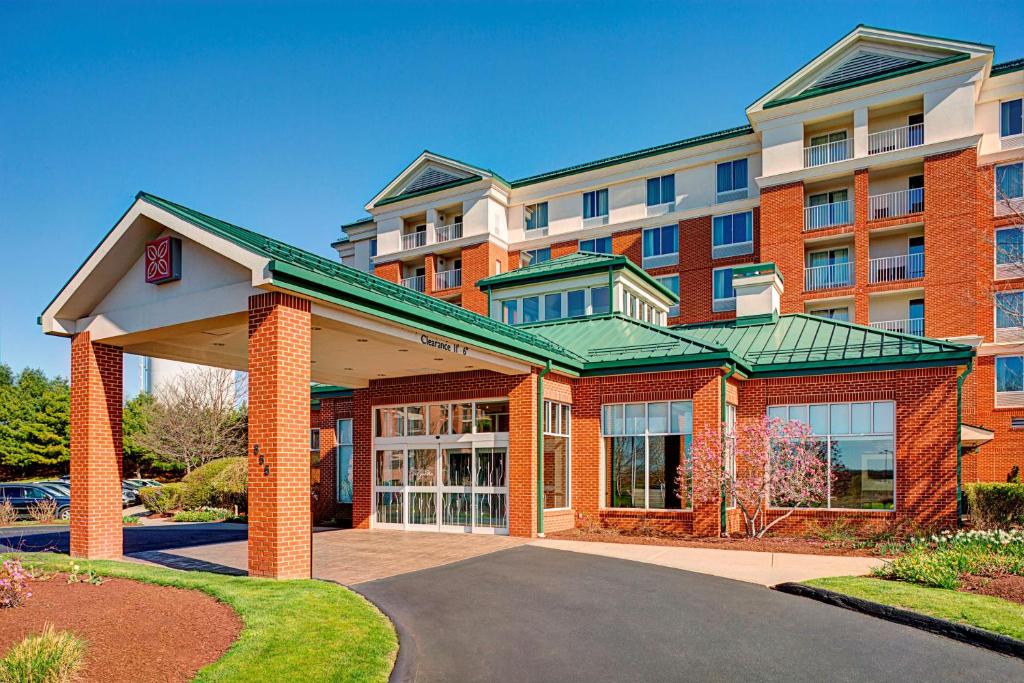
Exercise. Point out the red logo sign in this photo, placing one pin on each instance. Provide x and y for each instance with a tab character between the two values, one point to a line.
163	260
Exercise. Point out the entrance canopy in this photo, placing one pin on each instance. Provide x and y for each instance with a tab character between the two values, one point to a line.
170	282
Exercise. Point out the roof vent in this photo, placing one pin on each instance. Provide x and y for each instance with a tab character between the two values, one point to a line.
759	288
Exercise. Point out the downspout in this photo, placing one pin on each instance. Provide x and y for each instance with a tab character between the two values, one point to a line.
540	448
961	378
489	302
725	381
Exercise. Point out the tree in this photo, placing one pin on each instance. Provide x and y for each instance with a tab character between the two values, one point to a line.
192	420
138	458
34	420
763	463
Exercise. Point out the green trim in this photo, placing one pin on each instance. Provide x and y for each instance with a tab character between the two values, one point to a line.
751	269
361	221
430	190
916	68
540	448
961	378
760	319
1007	67
329	391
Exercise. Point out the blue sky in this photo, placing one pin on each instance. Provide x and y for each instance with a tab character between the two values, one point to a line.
286	118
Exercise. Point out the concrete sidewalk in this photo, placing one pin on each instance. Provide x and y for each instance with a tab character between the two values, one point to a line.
766	569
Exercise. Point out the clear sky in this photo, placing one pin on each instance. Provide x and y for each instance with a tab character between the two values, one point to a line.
286	118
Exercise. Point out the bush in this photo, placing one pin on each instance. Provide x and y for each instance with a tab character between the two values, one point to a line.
202	515
50	657
13	584
8	515
44	510
940	560
996	505
219	483
162	499
130	520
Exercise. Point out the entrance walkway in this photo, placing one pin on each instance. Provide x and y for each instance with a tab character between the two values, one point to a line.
766	569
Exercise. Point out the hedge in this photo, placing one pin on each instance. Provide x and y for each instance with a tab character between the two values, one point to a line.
996	505
220	483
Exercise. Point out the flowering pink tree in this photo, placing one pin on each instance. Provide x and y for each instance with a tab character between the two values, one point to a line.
762	463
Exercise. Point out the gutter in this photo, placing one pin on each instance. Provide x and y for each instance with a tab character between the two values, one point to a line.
961	378
540	448
725	380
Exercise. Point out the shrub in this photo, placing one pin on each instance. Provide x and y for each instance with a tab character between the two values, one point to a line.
44	510
940	560
996	505
50	657
130	520
162	499
13	584
202	515
219	483
8	515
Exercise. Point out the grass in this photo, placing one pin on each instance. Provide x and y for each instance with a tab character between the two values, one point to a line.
49	657
293	630
982	611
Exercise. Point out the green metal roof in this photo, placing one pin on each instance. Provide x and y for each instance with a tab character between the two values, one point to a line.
797	343
1007	67
306	273
361	221
571	265
429	190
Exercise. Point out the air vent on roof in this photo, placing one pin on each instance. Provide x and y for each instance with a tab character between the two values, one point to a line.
861	65
432	177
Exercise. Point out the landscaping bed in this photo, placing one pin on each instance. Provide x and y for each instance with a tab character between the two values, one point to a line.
1006	587
134	632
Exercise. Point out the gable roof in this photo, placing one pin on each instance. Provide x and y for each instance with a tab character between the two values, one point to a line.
571	265
429	173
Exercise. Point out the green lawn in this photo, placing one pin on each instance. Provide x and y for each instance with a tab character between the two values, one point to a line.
981	611
293	630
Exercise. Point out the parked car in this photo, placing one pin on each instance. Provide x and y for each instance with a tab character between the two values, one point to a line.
138	483
23	496
128	497
57	487
66	478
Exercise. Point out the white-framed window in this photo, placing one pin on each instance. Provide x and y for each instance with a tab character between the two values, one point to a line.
595	204
556	305
343	479
600	300
314	439
1011	118
723	296
510	312
1009	189
535	216
841	313
858	441
670	282
729	457
576	303
644	445
1009	252
530	257
1009	381
557	455
1009	314
661	246
732	235
597	245
439	419
731	180
373	247
497	266
661	190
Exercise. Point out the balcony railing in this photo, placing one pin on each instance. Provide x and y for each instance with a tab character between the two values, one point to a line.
907	326
412	240
447	279
896	138
447	233
417	283
828	276
828	215
896	268
828	153
896	204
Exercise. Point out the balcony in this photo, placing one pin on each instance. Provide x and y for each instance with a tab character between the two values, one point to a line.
442	233
896	204
417	283
829	276
896	268
447	233
906	326
896	138
828	153
411	240
447	279
828	215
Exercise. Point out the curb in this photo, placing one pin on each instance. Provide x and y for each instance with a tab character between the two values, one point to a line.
966	634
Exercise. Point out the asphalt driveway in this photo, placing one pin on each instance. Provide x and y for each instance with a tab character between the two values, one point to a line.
535	614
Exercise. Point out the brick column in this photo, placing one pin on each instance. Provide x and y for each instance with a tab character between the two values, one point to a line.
279	483
782	239
862	246
522	458
390	271
362	458
96	396
707	414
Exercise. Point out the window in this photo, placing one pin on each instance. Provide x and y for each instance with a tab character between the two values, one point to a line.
535	256
1011	118
723	294
600	300
556	455
595	204
661	246
314	439
598	245
373	247
645	443
491	417
482	417
732	235
671	282
576	303
531	309
732	180
1009	381
828	208
857	440
828	148
510	312
1010	252
833	313
1010	181
1009	310
344	460
497	267
552	306
661	190
536	216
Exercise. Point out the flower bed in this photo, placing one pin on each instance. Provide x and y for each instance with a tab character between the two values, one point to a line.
941	560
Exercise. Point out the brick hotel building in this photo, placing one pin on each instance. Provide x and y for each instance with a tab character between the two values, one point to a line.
533	352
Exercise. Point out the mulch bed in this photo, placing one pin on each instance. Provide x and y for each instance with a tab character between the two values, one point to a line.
135	632
770	544
1007	587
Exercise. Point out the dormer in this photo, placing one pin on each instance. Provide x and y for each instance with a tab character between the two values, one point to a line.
575	286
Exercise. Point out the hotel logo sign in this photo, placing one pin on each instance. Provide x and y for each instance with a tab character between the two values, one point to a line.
163	260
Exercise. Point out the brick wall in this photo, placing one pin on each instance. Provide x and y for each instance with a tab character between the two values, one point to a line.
326	504
390	271
478	262
96	395
782	240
